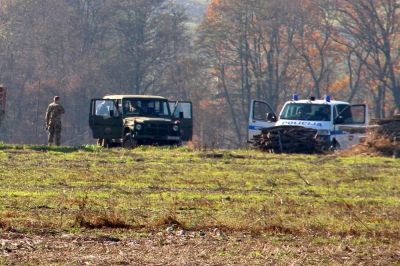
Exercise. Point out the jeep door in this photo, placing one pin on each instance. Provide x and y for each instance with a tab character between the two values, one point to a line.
350	124
105	120
182	111
261	116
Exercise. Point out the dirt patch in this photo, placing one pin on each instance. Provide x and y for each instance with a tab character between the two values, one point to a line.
169	221
212	155
191	248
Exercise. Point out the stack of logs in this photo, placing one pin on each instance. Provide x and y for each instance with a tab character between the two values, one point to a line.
288	139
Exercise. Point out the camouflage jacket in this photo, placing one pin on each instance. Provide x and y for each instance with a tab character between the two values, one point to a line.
53	114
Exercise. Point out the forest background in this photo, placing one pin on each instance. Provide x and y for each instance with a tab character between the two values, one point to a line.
219	54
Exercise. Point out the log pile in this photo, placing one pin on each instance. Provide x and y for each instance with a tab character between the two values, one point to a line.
288	139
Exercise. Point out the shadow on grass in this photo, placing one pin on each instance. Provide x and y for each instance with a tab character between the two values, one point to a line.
42	148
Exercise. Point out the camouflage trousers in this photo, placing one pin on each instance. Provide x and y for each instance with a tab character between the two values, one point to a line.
54	133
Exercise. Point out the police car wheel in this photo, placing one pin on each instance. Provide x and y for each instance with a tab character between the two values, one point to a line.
334	146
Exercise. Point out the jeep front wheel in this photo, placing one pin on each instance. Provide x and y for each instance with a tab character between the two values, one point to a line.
129	142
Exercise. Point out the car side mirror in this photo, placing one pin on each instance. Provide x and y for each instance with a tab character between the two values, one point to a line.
271	117
181	116
339	120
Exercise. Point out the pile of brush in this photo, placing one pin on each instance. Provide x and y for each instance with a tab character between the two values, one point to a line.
383	138
288	139
389	127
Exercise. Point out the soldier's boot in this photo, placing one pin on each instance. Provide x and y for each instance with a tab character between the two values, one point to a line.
58	138
99	142
50	137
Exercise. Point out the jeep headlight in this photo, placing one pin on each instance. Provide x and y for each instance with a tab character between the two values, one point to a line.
323	132
175	128
139	127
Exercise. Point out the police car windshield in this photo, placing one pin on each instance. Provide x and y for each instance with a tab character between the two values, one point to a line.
306	112
146	107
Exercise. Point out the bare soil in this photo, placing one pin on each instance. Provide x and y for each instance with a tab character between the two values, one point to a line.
176	247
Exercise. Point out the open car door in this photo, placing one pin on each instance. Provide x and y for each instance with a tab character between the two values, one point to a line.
350	124
105	120
183	111
261	116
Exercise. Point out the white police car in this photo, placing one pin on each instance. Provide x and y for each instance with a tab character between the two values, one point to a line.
339	124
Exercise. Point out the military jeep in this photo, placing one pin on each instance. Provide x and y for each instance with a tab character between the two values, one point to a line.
132	120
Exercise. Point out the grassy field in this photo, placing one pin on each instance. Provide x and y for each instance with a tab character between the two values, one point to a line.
182	206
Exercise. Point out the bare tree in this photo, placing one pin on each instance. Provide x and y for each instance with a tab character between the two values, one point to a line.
372	27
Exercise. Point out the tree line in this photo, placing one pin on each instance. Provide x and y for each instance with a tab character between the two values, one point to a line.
265	49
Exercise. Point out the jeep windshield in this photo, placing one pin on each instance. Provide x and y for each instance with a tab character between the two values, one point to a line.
306	112
146	107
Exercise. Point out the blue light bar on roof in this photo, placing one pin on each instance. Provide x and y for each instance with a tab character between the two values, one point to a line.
328	98
295	97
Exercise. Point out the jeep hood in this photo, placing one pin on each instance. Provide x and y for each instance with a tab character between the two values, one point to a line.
146	120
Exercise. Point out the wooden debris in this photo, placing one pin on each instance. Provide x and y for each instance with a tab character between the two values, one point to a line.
383	139
288	139
388	127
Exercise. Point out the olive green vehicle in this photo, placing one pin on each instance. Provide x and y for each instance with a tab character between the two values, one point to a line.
132	120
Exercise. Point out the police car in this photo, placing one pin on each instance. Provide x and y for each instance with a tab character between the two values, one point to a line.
340	125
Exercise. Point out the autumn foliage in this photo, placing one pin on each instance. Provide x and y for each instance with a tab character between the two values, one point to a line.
242	50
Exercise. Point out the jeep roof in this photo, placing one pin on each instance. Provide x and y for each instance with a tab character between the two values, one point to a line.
124	96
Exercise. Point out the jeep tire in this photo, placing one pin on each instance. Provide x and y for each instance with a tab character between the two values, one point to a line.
129	142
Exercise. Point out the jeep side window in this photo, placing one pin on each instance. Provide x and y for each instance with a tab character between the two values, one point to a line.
105	108
164	109
146	107
159	108
183	110
119	106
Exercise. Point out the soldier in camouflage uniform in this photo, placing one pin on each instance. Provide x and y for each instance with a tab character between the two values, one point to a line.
53	121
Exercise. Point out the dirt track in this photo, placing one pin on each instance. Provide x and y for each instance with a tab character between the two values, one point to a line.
175	248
